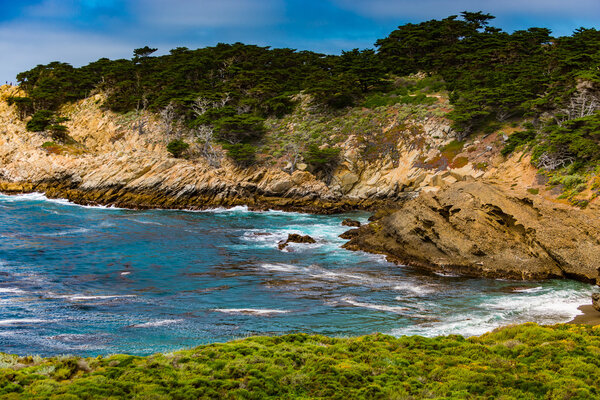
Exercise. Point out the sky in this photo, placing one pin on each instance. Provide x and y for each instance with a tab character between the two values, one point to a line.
80	31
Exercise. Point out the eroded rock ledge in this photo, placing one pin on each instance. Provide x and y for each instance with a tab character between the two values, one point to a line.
193	199
478	229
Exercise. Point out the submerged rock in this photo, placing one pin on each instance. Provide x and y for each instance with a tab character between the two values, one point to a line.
296	238
350	222
478	229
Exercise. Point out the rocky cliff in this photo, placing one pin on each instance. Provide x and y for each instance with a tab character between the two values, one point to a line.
111	162
479	229
450	206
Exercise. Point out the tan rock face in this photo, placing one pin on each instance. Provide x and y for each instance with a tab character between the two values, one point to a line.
115	162
478	229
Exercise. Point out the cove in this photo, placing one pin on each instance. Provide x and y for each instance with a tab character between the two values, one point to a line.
93	280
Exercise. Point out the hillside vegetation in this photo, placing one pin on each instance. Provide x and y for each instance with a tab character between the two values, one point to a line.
542	92
526	362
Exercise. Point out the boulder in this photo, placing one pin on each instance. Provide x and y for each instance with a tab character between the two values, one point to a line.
596	301
295	238
348	180
350	222
281	186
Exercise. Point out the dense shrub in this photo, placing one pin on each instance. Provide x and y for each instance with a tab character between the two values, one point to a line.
525	361
518	139
177	147
243	154
239	128
321	160
40	121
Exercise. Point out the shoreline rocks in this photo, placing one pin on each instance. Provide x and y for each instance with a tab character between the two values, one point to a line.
477	229
149	198
351	222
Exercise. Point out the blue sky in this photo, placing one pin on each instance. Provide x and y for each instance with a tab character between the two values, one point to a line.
80	31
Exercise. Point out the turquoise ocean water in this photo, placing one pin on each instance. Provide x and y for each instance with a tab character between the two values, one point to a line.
93	280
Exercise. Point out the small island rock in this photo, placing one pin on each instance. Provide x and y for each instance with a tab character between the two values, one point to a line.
296	238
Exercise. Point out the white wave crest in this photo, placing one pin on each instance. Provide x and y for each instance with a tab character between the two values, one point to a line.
36	196
419	290
379	307
220	210
280	267
529	290
250	311
11	290
162	322
100	297
67	232
551	307
22	321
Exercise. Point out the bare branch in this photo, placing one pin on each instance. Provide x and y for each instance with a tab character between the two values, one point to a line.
205	138
583	103
167	118
552	161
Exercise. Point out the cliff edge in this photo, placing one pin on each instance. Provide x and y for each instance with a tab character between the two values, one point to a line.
478	229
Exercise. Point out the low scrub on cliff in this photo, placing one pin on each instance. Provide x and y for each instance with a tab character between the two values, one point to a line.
526	361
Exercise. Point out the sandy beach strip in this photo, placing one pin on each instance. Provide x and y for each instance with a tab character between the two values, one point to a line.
590	316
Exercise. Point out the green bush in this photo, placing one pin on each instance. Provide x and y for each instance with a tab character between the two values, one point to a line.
242	154
379	100
521	361
572	181
518	139
321	160
177	147
239	128
40	121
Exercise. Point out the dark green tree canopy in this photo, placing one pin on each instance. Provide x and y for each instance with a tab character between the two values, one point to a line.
492	76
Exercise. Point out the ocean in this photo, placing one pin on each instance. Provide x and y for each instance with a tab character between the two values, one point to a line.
95	281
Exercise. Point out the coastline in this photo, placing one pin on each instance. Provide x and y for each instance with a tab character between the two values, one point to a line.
153	199
590	316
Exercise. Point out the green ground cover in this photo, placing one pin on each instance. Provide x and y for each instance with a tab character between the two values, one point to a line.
525	362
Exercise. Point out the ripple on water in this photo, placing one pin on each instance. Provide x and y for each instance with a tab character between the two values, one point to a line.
92	280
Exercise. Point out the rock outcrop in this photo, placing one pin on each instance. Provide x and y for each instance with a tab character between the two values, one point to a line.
478	229
296	238
351	222
112	163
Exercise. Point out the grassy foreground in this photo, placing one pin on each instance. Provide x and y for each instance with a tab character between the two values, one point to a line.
525	361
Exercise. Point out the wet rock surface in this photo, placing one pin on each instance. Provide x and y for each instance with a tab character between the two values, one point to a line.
352	233
295	238
350	222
